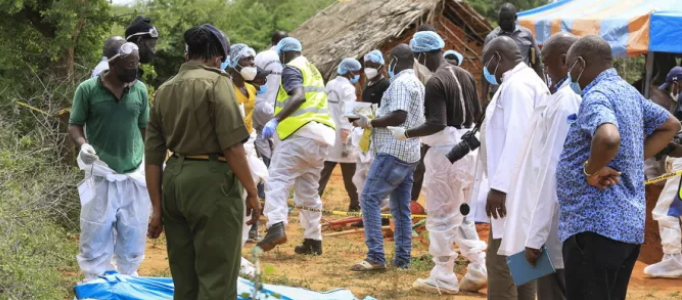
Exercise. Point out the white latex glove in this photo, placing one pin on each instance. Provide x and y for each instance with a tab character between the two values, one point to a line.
398	132
88	154
364	122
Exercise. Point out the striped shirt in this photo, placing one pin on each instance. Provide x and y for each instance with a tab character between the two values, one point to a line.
405	93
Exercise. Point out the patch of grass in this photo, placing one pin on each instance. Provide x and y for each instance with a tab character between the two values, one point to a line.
38	212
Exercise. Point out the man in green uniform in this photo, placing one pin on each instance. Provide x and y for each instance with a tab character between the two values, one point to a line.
196	117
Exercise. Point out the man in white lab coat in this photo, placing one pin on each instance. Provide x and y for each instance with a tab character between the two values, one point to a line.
532	191
507	118
340	90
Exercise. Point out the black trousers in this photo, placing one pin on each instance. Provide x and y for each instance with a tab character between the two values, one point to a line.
597	267
419	174
347	171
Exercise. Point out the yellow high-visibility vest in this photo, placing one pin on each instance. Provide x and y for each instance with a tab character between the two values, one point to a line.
315	106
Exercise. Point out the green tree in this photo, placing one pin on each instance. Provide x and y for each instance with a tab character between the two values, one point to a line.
47	38
244	21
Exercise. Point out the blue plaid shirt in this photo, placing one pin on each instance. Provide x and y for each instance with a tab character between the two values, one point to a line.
405	93
618	212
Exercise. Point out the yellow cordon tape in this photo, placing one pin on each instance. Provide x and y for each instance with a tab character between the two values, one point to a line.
664	177
60	112
351	214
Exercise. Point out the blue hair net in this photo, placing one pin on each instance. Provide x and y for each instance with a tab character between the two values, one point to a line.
348	65
456	54
239	51
424	41
289	44
375	56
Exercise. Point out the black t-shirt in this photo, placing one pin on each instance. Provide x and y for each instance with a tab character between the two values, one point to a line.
442	103
374	92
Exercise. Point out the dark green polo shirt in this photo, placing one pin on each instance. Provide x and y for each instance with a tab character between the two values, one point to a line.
113	126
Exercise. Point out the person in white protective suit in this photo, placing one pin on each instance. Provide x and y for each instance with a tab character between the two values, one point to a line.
451	107
341	90
668	208
303	131
532	205
115	206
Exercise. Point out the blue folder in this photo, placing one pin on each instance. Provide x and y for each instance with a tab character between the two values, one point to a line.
521	270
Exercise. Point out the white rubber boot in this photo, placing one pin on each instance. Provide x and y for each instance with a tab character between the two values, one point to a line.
669	267
442	280
475	279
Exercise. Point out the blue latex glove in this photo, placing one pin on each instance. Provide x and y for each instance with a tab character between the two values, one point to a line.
269	128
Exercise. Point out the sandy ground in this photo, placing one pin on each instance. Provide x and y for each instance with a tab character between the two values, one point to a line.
331	270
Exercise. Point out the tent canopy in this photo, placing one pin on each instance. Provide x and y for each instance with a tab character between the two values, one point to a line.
631	27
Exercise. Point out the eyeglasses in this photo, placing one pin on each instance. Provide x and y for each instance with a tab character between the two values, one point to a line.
125	50
152	32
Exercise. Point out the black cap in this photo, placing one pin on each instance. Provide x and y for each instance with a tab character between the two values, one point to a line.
141	27
675	74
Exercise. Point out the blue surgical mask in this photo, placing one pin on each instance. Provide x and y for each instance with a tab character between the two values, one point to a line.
490	77
224	65
390	67
355	79
262	90
575	86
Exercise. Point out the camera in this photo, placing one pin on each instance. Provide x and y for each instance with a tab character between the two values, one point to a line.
469	143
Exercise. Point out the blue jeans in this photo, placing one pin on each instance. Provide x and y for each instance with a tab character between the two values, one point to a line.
388	176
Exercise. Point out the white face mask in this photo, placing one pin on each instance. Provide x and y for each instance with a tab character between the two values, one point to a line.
423	71
248	73
371	73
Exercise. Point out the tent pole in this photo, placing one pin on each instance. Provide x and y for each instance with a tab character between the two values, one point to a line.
649	70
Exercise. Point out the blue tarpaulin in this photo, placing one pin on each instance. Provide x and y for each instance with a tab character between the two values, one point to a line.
631	27
114	286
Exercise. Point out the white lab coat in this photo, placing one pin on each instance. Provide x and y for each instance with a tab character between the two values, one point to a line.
269	61
340	90
507	119
532	206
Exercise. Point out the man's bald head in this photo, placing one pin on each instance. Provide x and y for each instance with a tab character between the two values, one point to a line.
111	45
587	58
554	53
505	46
501	55
559	43
401	58
506	17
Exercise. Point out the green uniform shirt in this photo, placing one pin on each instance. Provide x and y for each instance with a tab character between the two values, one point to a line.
194	113
113	127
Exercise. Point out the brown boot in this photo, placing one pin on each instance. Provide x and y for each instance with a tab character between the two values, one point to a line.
276	236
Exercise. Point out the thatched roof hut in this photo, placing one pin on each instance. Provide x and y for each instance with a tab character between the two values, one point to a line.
351	28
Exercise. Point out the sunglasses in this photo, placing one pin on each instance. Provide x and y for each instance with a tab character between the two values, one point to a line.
125	50
152	32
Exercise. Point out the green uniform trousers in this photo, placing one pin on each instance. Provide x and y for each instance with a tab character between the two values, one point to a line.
203	212
500	282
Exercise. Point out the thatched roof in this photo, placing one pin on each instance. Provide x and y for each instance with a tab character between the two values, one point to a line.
351	28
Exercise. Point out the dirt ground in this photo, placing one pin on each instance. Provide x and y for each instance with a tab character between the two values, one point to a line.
331	270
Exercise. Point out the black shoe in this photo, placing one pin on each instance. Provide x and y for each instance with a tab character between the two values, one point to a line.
254	237
309	247
276	236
